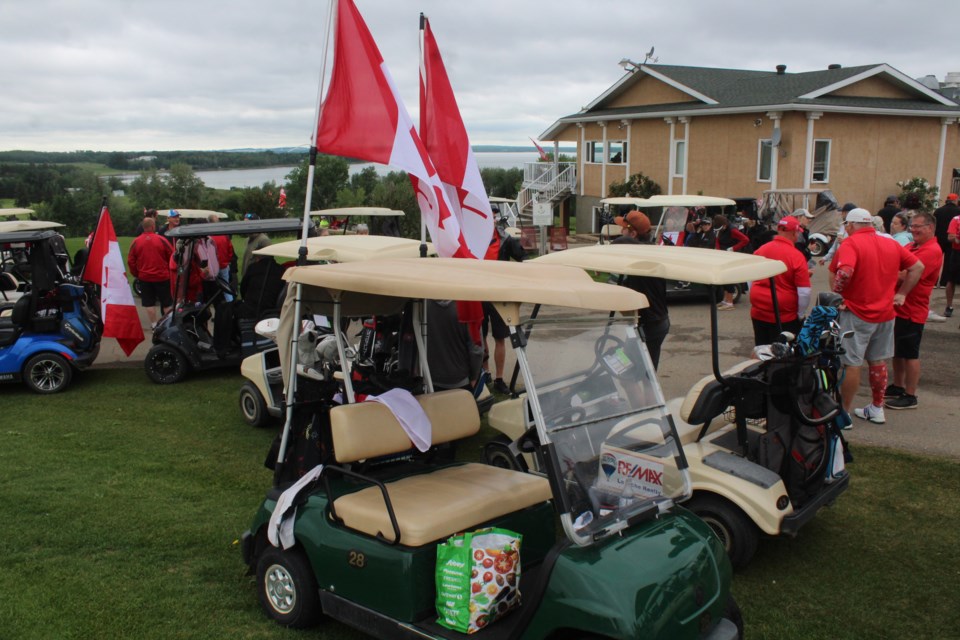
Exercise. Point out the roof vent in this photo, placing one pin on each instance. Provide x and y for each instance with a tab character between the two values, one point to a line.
781	69
833	66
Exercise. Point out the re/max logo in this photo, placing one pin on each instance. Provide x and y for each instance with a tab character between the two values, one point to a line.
639	472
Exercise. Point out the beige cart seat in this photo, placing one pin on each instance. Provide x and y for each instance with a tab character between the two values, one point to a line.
429	506
688	432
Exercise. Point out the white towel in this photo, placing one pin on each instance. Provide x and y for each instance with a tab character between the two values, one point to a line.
404	406
280	527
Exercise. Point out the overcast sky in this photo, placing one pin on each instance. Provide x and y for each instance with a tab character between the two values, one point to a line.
206	74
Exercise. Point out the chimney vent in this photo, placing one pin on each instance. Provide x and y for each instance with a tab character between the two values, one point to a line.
781	69
833	66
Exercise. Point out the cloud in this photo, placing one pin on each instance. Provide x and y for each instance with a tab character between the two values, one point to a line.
179	74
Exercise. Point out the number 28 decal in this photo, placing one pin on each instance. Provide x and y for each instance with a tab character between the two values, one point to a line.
356	559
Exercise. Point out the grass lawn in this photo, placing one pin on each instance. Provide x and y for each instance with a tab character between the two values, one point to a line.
123	502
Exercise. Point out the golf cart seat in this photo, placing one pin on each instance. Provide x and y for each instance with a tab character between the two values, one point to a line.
705	403
429	506
11	326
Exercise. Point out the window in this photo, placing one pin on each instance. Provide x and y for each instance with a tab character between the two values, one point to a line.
765	160
595	152
617	152
680	158
821	161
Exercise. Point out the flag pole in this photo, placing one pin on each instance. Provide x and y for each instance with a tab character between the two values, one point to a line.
423	89
291	387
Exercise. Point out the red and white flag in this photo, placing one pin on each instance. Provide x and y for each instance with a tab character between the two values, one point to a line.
105	267
363	117
445	139
543	154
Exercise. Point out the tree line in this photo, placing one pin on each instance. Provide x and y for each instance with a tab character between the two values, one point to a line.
72	193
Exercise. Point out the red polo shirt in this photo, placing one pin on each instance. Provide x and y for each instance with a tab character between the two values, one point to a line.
954	227
876	262
796	275
917	304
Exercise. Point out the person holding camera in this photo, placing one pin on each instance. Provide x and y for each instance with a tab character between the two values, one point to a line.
702	235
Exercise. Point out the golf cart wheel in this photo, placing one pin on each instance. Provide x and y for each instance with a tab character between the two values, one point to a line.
497	454
165	365
47	373
287	588
817	247
137	288
736	531
252	405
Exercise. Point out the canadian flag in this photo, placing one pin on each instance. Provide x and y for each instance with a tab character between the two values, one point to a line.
105	267
447	144
363	117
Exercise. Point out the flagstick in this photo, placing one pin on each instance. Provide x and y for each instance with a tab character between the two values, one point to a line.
291	387
423	81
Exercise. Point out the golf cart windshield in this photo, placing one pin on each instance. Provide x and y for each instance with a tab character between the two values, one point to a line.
613	446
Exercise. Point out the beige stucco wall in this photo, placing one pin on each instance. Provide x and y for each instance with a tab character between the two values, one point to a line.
649	91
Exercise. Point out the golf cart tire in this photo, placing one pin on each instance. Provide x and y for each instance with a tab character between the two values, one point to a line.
817	248
287	588
738	534
734	615
496	454
253	406
47	373
165	365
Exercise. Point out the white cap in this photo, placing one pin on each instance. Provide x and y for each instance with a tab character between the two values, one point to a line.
859	215
802	212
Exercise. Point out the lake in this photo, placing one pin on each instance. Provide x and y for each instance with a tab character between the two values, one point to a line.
240	178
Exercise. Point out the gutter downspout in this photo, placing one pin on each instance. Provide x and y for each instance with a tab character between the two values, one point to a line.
808	167
673	155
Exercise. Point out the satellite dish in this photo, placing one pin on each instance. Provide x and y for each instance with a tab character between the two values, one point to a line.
650	53
775	140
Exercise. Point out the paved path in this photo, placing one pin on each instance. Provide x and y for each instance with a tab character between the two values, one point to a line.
933	428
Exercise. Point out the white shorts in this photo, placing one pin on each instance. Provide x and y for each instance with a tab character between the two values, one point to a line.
871	341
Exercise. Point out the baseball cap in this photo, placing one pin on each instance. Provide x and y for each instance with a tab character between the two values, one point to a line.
635	219
890	199
251	216
859	215
788	223
849	207
173	213
952	196
801	212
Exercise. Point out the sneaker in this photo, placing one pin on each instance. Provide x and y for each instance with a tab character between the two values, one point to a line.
725	306
948	312
933	316
903	402
871	413
893	391
499	386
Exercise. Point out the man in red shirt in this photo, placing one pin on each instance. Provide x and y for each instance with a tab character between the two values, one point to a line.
148	262
912	314
793	286
866	270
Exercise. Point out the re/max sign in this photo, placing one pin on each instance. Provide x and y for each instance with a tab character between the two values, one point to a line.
640	472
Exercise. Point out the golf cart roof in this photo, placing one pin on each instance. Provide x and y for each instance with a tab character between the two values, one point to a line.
14	237
16	212
703	266
375	212
27	225
498	199
238	227
671	201
194	214
339	248
458	279
624	201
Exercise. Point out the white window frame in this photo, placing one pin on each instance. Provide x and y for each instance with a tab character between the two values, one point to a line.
679	158
595	147
614	147
768	142
826	167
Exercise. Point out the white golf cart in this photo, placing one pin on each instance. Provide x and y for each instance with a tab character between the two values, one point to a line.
740	429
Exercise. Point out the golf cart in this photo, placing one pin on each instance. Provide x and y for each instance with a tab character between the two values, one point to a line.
821	203
53	326
761	438
195	216
261	396
361	544
339	218
183	340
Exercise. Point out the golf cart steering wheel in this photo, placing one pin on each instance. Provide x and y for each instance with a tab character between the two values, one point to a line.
600	351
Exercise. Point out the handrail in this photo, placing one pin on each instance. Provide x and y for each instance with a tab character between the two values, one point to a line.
545	182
